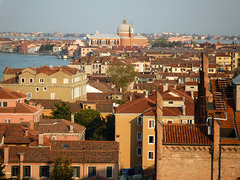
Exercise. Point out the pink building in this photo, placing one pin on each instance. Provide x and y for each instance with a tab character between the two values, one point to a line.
14	109
28	154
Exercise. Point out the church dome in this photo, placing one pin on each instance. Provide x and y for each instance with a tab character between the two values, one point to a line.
123	28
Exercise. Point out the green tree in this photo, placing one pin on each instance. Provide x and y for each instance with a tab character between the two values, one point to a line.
121	75
63	111
2	174
62	169
92	120
110	125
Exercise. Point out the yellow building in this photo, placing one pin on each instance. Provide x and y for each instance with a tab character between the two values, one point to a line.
65	83
224	61
135	125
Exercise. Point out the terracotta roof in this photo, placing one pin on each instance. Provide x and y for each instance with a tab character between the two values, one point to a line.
101	86
104	108
136	106
186	134
16	134
20	108
191	83
57	126
97	96
9	70
9	94
96	178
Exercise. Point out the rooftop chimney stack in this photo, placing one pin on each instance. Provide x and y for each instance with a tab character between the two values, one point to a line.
40	140
71	129
72	118
192	94
26	132
184	109
6	155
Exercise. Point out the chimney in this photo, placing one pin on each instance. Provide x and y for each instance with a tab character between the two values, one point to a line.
97	80
165	87
146	94
31	125
26	132
40	140
21	157
184	109
192	94
6	155
20	91
131	97
205	62
72	117
71	129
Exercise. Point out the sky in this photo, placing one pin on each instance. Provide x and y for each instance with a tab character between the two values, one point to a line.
215	17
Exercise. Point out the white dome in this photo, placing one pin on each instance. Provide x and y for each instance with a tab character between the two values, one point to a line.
123	28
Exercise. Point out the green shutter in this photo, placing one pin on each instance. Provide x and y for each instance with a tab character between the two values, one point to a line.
78	171
94	171
109	171
24	171
12	170
47	171
40	171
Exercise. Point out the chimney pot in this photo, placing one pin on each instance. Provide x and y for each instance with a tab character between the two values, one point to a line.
72	118
71	129
40	140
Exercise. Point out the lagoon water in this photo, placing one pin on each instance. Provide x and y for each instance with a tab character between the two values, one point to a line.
23	61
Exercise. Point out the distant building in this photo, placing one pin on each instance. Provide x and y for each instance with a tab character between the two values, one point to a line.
124	37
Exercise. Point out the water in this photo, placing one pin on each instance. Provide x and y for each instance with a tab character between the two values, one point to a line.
23	61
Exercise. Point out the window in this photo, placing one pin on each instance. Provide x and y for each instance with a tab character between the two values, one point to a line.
170	102
192	87
189	121
150	155
109	172
91	171
54	80
139	120
7	121
37	89
26	171
139	136
65	146
30	80
150	139
52	95
180	121
23	80
169	121
0	104
76	171
44	171
44	88
54	138
89	107
29	95
151	124
15	171
41	80
139	151
65	81
5	104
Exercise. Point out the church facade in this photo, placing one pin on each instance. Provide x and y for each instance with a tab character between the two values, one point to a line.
124	37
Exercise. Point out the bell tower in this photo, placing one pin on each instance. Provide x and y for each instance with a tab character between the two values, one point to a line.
131	31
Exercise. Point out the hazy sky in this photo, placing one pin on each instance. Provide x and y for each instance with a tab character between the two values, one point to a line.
219	17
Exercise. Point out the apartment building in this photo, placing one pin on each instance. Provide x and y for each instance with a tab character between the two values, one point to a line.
135	125
14	109
47	82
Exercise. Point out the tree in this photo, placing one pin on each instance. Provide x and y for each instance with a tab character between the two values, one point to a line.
63	111
62	169
92	120
2	174
110	124
121	75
